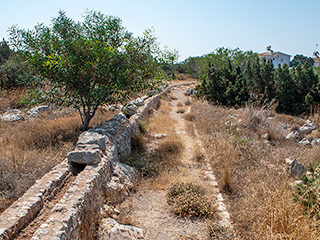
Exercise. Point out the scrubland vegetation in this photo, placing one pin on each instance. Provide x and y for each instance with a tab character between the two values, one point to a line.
258	190
264	201
29	149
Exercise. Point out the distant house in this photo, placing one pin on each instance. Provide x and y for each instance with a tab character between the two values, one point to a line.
276	57
316	59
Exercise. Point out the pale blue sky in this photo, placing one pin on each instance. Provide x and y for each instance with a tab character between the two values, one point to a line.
193	28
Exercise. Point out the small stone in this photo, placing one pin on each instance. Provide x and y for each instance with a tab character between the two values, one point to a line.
295	168
315	141
306	128
111	229
160	135
304	142
293	135
231	117
39	109
11	117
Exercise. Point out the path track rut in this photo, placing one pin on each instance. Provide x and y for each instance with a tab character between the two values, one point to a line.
149	209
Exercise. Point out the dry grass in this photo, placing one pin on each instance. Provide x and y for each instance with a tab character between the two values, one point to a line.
29	149
10	98
257	189
156	158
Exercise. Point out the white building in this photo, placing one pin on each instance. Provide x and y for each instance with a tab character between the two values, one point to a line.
276	57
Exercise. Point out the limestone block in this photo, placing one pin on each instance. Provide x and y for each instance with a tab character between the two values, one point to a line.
130	109
92	137
306	128
87	155
111	229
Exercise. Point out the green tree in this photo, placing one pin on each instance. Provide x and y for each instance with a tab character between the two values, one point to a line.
88	64
4	51
285	90
300	60
14	73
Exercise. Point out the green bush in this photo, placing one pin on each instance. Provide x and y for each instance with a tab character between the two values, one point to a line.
308	192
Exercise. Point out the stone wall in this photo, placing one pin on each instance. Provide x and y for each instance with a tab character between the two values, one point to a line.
75	215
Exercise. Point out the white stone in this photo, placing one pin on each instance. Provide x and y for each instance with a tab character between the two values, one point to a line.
92	137
306	128
130	109
160	135
39	109
315	141
304	142
111	229
293	135
11	117
85	156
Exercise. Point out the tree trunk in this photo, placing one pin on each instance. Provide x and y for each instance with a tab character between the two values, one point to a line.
85	124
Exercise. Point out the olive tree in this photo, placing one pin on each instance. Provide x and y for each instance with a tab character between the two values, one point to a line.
90	63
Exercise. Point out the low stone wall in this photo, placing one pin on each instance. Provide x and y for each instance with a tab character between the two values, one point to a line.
21	212
75	215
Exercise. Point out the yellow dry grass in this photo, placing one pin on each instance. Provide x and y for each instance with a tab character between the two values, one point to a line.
258	190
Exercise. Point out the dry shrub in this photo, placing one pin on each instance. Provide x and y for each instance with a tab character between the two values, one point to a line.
189	200
261	201
179	104
181	110
163	124
10	98
291	120
190	117
198	154
187	102
170	146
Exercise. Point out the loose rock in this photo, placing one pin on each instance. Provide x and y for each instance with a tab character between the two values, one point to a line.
293	135
295	168
111	229
304	142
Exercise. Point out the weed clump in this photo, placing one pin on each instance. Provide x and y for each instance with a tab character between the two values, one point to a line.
179	104
170	146
188	199
190	117
181	110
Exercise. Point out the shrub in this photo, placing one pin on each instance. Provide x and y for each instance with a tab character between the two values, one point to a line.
181	110
308	192
189	199
190	117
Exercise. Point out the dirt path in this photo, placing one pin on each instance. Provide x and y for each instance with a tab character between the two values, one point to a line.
149	209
